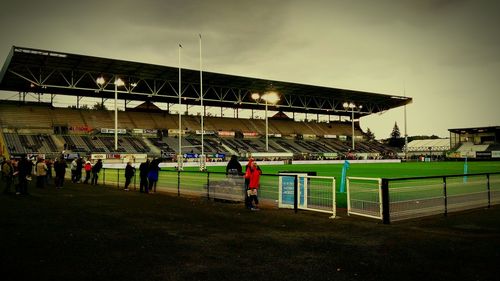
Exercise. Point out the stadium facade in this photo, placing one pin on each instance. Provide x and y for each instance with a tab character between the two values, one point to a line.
150	129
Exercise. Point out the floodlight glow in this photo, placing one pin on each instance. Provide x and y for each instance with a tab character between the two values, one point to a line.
349	105
100	80
119	82
255	96
271	97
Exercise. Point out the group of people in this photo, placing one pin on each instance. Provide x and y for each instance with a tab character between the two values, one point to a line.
148	173
76	167
252	180
18	173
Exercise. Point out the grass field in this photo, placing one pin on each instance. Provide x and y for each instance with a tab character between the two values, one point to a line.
84	232
194	182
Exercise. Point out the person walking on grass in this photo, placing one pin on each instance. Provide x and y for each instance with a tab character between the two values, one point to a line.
129	173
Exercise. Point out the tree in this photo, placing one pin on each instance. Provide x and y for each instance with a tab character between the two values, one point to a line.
370	135
395	131
396	140
99	106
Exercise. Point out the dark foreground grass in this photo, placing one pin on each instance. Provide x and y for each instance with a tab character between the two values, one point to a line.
100	233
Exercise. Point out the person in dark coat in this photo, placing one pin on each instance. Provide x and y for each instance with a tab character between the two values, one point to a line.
79	167
153	173
95	171
24	167
233	166
7	175
143	173
129	173
60	169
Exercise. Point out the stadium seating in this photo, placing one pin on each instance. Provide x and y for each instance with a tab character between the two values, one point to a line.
83	134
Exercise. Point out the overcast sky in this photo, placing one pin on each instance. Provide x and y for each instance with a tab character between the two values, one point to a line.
444	54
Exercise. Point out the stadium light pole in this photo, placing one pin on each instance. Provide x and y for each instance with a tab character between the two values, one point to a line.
179	157
118	82
352	106
269	98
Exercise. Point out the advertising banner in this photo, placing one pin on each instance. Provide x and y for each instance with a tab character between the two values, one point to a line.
483	154
112	131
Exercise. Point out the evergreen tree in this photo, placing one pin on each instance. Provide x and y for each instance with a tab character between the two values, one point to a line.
370	135
396	140
395	131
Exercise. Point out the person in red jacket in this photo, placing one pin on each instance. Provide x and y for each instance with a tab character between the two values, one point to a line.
88	169
253	175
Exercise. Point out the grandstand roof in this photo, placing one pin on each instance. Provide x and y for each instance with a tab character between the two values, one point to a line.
424	145
475	130
42	71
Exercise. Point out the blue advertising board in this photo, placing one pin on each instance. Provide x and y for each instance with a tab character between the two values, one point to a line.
286	189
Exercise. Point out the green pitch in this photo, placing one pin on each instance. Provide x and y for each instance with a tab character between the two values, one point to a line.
382	170
192	181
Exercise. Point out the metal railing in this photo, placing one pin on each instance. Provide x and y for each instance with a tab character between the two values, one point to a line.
318	193
394	199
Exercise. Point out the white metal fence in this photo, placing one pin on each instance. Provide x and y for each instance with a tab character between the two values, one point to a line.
406	198
318	194
364	197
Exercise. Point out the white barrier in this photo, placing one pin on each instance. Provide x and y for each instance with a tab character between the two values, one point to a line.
342	161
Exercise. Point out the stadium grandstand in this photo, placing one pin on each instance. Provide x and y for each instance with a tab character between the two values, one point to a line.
32	125
430	148
478	143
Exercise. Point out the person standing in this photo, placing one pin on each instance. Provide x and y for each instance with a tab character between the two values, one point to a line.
95	171
88	170
24	167
233	166
143	173
8	175
41	172
248	205
79	167
73	167
60	169
154	169
254	173
129	173
49	164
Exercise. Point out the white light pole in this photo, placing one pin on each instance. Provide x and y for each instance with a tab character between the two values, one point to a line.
268	97
202	159
118	82
267	129
352	106
179	157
